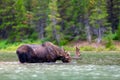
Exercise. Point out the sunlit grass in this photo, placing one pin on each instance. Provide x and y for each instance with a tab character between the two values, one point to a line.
90	48
4	46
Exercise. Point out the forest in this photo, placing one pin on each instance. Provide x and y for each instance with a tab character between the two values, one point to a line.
60	21
85	36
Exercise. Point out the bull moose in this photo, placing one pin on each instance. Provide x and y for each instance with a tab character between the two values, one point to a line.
46	52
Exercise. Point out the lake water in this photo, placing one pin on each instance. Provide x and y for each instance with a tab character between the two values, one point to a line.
58	71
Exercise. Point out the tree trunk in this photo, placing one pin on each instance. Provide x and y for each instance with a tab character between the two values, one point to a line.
87	25
99	35
41	28
55	35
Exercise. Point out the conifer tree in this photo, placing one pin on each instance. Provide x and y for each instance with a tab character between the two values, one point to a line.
98	18
53	29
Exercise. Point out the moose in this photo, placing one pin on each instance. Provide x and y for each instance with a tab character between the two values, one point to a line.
46	52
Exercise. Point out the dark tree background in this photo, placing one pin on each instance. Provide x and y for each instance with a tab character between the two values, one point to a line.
59	21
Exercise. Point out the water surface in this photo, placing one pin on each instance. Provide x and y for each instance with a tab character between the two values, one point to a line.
58	71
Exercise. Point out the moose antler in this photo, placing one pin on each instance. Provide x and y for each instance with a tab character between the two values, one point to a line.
77	53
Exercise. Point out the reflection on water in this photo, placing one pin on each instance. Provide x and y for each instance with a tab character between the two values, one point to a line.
58	71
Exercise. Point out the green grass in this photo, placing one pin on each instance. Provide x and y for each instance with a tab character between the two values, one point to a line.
97	58
8	56
100	58
5	46
90	48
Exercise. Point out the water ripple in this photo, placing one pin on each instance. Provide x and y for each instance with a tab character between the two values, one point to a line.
45	71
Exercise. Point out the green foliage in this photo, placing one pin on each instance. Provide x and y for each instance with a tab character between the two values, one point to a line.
98	14
113	7
109	41
3	44
53	29
59	21
118	32
6	46
63	42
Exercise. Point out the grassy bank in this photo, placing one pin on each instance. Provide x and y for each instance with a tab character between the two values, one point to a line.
83	45
98	58
11	47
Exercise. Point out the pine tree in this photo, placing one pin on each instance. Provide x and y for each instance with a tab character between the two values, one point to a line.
87	6
98	17
113	9
40	12
53	29
6	18
20	27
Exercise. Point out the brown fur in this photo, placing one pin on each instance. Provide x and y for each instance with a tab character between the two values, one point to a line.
47	52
